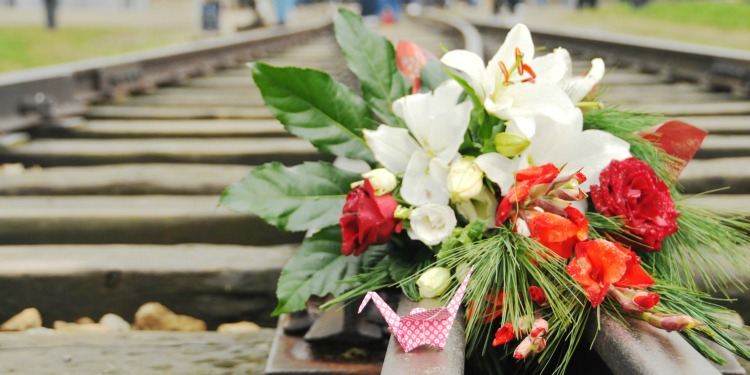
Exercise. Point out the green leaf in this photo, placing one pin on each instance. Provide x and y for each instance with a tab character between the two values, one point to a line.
313	106
433	75
310	195
372	59
318	267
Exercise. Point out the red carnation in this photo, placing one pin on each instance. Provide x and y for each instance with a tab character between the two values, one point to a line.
599	264
630	189
367	219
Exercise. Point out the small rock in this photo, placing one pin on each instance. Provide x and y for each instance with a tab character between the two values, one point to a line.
154	316
85	320
239	327
26	319
115	323
66	327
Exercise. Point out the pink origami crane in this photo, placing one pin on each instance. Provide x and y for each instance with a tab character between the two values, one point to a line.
420	327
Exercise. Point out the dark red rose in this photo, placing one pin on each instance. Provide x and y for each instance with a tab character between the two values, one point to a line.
367	219
631	190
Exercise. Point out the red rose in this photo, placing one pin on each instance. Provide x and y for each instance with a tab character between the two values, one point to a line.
367	219
599	264
630	189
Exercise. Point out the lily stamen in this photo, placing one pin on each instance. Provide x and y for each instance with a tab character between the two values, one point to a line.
505	71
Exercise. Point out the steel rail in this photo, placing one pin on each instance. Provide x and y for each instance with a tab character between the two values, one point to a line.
34	97
712	67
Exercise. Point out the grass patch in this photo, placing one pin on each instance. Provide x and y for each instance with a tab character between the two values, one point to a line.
725	15
716	23
31	46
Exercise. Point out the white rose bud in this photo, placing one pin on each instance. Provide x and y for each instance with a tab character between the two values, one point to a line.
464	179
434	282
431	223
381	180
482	207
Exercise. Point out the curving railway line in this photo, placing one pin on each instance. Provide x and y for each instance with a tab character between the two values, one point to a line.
108	193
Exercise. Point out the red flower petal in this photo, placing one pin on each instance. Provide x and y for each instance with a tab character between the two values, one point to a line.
504	334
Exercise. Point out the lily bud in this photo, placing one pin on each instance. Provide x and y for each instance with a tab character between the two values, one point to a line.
464	180
510	144
381	180
434	282
671	322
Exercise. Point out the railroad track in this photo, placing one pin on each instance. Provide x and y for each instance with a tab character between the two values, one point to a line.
118	207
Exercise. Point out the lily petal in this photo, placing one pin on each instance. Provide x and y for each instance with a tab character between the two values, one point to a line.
578	87
469	63
425	180
392	147
498	169
552	67
437	120
518	37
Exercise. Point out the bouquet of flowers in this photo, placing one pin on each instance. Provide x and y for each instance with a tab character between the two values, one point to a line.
562	208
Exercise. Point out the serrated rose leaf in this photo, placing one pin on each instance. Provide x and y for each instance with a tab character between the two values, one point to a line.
318	267
315	107
372	58
310	195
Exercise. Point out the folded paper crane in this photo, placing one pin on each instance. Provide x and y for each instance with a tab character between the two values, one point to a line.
420	327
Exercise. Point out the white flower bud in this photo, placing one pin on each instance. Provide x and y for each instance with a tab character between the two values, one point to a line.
434	282
483	206
382	180
464	179
432	223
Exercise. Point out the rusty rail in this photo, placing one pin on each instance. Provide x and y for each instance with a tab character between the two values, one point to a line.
37	96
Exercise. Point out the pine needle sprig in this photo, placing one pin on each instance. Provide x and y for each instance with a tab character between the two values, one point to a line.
704	308
711	246
509	263
628	126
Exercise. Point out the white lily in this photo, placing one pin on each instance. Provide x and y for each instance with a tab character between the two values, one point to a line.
578	87
588	151
436	125
515	86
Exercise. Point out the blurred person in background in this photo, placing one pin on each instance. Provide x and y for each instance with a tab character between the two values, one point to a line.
282	9
497	4
590	3
210	12
51	8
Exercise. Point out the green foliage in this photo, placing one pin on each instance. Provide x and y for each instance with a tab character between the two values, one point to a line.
310	195
372	59
702	307
432	75
710	245
318	268
313	106
510	262
627	126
